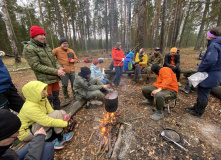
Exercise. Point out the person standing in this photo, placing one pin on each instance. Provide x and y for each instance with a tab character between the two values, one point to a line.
41	60
155	58
118	59
211	63
9	98
172	60
67	59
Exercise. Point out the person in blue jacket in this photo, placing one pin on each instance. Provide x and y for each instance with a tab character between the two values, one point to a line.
96	72
9	98
129	58
211	63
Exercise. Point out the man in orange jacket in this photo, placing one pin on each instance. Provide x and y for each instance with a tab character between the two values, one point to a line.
166	85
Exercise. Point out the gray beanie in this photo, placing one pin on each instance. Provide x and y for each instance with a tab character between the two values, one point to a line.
117	45
62	40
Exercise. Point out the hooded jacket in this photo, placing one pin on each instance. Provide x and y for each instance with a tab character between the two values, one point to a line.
35	109
96	72
144	58
211	63
5	79
128	59
167	60
117	55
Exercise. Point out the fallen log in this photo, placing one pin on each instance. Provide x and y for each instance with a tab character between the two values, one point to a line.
216	91
74	107
20	69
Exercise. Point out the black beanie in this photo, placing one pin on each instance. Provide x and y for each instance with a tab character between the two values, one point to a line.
62	40
9	124
156	68
85	71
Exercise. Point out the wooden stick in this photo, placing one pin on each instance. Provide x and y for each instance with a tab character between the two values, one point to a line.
90	136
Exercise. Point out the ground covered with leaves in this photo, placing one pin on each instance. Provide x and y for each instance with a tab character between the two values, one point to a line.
142	138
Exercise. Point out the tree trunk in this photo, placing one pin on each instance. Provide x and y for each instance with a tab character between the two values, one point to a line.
125	18
141	22
57	12
157	23
65	22
200	34
163	26
10	32
128	44
106	26
113	31
42	18
88	26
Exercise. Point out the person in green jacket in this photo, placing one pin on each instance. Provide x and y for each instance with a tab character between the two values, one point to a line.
41	60
88	88
37	112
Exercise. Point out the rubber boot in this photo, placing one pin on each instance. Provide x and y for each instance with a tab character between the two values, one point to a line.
56	101
66	96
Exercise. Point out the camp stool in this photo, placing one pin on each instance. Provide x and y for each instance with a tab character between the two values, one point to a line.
171	102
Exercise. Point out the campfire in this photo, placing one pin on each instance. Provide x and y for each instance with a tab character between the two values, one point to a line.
109	134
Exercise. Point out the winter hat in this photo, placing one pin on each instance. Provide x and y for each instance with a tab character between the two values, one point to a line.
36	30
9	124
131	54
62	40
174	49
85	71
96	62
156	68
117	45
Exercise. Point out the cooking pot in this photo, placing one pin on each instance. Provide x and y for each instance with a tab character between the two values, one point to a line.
111	101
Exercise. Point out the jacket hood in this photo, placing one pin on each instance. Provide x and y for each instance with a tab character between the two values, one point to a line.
217	40
32	91
93	67
129	56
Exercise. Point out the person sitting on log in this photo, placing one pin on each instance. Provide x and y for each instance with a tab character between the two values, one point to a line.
166	85
172	60
9	98
155	58
128	62
88	88
37	112
37	149
96	72
140	63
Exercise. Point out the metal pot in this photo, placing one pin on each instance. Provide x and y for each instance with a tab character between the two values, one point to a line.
111	101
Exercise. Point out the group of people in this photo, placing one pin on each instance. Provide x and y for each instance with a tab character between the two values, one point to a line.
41	111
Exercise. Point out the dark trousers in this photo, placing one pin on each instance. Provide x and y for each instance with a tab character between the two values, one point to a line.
111	65
11	100
177	71
118	70
64	79
202	99
137	72
47	153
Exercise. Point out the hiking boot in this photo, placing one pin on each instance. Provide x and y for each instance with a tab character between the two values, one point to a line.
194	113
57	144
179	84
185	90
147	82
134	82
190	108
67	137
140	78
151	102
157	115
96	102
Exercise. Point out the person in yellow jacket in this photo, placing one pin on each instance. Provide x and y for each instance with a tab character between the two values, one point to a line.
37	112
140	63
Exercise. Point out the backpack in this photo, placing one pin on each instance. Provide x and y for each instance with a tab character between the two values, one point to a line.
87	61
130	66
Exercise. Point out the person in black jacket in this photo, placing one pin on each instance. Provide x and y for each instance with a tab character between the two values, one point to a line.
172	60
37	149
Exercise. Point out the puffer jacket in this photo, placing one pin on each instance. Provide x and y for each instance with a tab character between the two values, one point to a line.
41	61
155	60
167	60
211	63
35	109
82	86
5	78
144	58
117	55
96	72
127	60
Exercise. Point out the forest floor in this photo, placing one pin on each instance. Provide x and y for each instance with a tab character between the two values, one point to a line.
142	139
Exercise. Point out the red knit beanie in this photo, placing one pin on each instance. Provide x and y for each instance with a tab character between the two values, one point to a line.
96	62
36	30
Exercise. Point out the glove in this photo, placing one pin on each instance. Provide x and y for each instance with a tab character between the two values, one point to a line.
2	53
122	59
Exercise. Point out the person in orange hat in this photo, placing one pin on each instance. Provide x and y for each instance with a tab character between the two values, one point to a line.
172	60
41	60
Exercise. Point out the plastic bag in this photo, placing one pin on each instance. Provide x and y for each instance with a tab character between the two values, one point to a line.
197	78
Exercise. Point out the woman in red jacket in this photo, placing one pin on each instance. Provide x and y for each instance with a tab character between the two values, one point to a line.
118	59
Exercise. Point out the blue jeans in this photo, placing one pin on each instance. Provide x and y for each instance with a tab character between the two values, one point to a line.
105	81
47	153
118	70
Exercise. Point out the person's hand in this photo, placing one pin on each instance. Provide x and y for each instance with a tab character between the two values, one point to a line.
122	59
99	79
40	131
61	72
2	53
154	92
67	117
72	60
106	86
